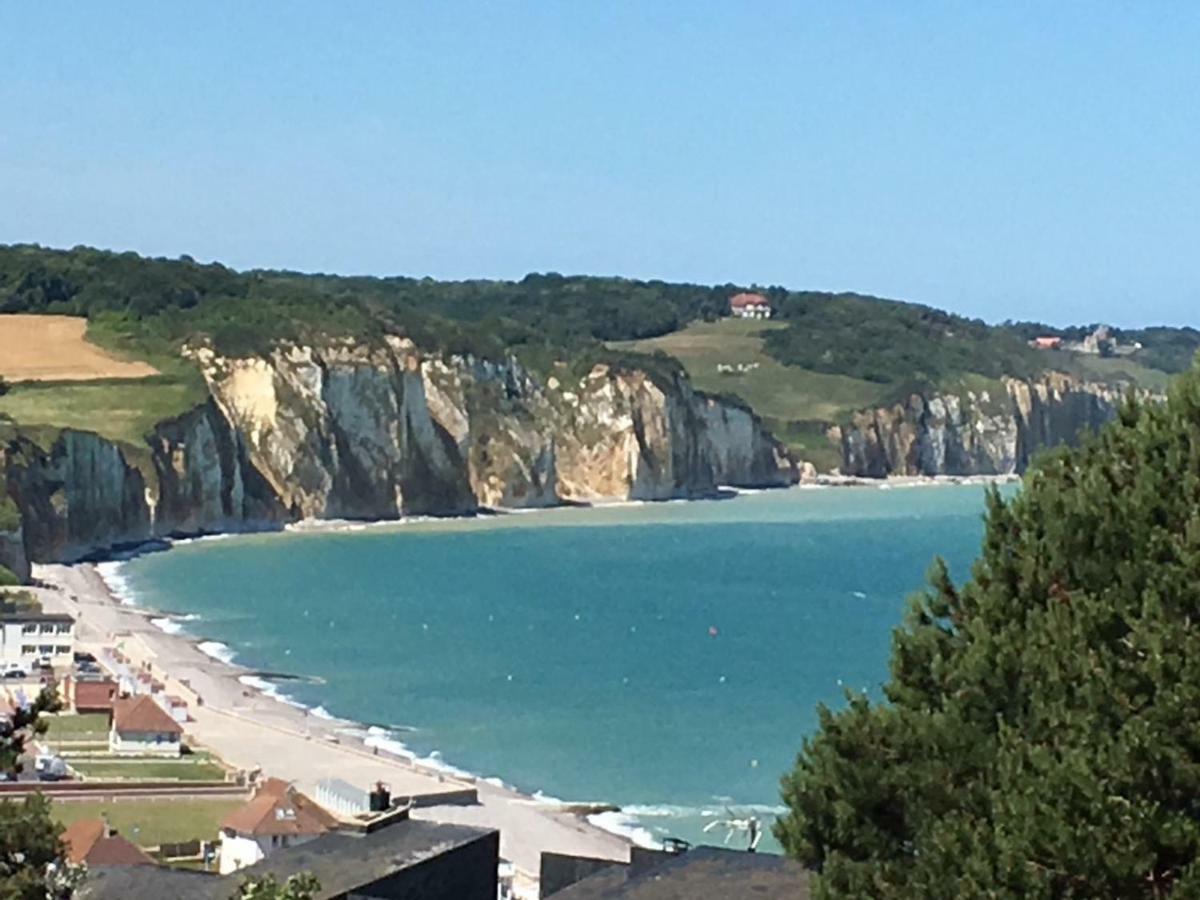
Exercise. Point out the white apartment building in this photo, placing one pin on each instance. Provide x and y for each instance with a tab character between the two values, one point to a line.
28	638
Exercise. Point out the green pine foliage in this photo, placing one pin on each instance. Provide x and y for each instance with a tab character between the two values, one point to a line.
1041	731
31	850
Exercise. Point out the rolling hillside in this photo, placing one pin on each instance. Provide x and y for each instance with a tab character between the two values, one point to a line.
822	358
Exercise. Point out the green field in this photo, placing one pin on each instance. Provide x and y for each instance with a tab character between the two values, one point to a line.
89	727
150	822
798	405
122	410
1112	370
795	402
199	768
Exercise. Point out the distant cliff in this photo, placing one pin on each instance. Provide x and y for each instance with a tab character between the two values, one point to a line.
975	432
347	431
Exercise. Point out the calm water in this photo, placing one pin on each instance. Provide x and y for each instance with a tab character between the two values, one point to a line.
668	657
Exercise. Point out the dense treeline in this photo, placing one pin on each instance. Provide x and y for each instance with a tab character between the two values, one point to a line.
539	318
893	343
172	300
1040	735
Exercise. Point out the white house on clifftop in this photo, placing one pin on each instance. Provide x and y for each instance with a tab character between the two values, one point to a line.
750	306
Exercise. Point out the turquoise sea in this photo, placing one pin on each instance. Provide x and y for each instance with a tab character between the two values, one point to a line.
665	657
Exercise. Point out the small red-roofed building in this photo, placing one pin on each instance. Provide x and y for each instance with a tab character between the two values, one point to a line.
93	842
750	306
140	727
276	816
90	694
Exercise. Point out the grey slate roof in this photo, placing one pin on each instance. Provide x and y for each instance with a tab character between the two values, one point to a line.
153	883
341	862
704	873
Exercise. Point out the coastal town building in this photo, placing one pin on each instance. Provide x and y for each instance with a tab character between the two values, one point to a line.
277	816
398	860
85	693
701	873
95	843
342	797
30	638
1046	342
750	306
140	727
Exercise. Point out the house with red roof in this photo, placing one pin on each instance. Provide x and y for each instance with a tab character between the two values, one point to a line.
277	816
140	727
94	842
750	306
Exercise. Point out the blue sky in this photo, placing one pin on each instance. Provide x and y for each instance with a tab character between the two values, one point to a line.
1002	160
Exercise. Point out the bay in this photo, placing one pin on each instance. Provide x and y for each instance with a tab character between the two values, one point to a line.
669	658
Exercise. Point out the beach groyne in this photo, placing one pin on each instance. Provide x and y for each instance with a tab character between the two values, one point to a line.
380	431
988	430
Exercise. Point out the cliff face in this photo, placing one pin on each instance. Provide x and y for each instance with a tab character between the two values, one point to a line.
12	553
975	432
344	431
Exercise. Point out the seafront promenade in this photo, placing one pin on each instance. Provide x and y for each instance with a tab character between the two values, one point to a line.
251	730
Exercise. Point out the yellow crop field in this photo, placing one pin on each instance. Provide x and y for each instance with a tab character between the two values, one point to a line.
54	348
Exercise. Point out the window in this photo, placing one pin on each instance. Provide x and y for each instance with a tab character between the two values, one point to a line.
28	649
46	628
63	651
45	649
29	629
64	629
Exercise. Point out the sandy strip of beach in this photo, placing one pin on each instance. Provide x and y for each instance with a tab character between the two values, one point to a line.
249	729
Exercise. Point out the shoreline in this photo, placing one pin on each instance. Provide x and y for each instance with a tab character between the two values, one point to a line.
260	695
246	721
367	735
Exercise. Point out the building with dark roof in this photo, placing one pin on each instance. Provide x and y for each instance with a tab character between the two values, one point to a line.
399	861
702	873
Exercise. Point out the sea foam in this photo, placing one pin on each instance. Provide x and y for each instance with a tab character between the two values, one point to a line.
110	572
218	651
625	826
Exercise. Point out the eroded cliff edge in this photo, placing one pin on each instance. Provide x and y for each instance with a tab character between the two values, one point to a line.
375	432
975	432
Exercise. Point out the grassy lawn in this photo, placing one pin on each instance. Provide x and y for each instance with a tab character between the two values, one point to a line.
121	410
184	769
89	727
793	400
1112	370
151	822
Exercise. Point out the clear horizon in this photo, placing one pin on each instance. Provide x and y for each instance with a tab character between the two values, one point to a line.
1023	163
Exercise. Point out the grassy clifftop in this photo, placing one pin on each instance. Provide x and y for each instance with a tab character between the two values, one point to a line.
821	357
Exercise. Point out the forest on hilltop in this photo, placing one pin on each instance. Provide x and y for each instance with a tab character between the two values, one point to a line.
160	303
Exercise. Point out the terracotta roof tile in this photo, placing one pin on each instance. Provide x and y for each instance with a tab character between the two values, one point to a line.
746	299
277	809
80	836
143	714
88	841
